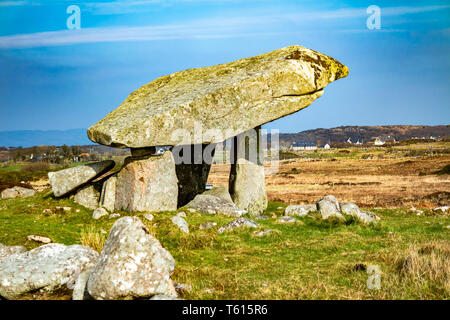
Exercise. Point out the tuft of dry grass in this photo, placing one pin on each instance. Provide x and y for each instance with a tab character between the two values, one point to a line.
427	265
92	238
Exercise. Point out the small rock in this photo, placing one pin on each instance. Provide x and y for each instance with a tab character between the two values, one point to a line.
17	192
114	215
208	291
98	213
65	209
103	231
148	216
181	214
443	209
238	223
39	239
262	233
182	288
286	219
261	217
300	210
207	225
191	210
180	223
47	211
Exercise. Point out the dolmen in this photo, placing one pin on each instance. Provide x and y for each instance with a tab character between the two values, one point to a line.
190	111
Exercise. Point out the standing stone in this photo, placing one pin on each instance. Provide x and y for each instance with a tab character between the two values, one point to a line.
132	264
108	195
48	269
192	170
17	192
88	197
67	180
246	183
147	184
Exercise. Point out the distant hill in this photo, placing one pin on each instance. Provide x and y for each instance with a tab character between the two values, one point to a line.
29	138
365	133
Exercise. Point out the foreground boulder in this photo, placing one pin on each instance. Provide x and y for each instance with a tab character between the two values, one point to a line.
353	210
238	223
329	207
147	184
17	192
132	264
6	251
43	271
67	180
231	98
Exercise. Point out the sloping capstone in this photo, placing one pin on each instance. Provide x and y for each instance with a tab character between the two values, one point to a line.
67	180
230	98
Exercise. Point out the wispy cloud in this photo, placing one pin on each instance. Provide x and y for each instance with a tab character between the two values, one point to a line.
12	3
220	27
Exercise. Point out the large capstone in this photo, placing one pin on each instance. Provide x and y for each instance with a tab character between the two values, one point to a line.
132	264
224	100
44	271
67	180
147	184
247	183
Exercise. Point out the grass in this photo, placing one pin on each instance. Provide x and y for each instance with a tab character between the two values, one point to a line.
314	259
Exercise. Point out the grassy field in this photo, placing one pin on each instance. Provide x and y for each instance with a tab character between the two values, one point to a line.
311	259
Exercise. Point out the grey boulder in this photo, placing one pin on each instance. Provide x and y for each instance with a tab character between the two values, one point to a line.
44	270
329	207
17	192
300	210
132	264
353	210
88	197
207	203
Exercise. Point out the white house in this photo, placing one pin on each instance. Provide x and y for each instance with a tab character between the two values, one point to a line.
303	146
327	146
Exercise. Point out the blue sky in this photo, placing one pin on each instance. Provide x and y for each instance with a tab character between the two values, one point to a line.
55	78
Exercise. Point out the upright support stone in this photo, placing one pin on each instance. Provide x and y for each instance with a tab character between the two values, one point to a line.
193	163
246	182
147	183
